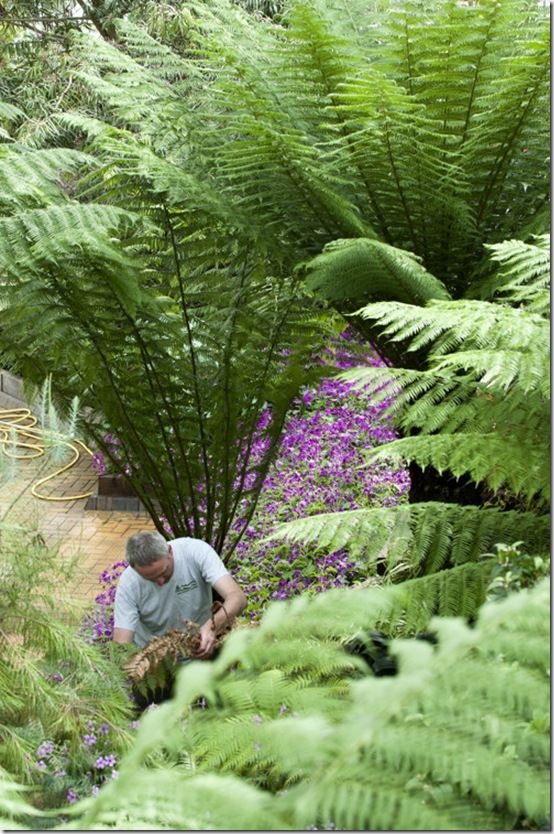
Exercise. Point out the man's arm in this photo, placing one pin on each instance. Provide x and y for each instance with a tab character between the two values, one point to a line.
122	635
126	615
234	600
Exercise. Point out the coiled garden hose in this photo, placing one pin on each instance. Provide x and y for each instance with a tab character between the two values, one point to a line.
18	430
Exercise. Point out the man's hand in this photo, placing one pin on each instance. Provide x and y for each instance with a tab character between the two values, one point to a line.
207	641
234	601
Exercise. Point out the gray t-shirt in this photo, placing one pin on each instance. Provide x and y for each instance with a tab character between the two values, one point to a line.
151	610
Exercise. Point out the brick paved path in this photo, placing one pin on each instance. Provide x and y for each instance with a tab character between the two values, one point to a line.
99	537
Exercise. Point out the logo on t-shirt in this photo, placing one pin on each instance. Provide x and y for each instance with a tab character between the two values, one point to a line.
186	586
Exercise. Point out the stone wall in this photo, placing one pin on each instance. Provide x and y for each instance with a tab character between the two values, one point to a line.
11	391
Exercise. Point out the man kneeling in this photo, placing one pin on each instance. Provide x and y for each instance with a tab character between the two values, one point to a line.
168	582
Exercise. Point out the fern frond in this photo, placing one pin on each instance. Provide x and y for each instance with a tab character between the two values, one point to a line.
351	270
13	806
425	537
183	801
32	178
491	458
445	326
502	370
173	645
458	591
10	111
41	236
523	276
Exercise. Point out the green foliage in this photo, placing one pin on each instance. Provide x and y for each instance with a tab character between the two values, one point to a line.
417	539
513	570
457	740
51	681
350	270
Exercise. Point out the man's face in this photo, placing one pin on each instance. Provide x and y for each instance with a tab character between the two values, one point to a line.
160	571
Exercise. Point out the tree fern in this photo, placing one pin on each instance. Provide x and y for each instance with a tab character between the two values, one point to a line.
481	412
489	401
334	127
205	343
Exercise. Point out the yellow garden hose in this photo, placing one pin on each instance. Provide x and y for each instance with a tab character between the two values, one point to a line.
18	431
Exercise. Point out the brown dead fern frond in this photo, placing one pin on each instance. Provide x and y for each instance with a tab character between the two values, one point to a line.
173	645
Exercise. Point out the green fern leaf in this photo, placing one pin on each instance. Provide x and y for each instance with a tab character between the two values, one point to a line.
349	270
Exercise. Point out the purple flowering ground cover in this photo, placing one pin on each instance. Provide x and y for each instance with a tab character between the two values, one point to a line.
320	468
67	777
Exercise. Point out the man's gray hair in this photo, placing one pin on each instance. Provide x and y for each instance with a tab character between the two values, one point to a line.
145	548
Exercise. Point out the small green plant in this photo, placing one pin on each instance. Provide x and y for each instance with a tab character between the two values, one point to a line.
513	570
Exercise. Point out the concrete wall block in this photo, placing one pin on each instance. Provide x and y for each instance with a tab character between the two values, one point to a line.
12	385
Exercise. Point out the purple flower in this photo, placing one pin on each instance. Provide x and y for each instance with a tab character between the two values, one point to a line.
71	796
89	739
105	761
59	774
45	750
41	765
99	464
